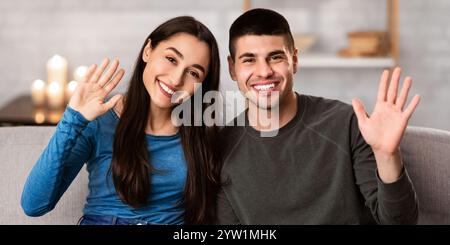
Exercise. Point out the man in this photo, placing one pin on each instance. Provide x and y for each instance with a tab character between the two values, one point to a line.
327	163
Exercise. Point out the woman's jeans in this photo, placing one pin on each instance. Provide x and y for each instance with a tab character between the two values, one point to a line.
111	220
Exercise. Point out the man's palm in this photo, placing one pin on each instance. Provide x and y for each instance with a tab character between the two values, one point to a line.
383	130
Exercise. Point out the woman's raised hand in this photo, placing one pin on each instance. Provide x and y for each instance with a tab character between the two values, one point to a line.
89	97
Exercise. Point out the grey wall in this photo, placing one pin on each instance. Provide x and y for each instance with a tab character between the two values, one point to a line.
85	31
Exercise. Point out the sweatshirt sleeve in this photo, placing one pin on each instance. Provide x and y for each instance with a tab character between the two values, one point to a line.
393	203
60	162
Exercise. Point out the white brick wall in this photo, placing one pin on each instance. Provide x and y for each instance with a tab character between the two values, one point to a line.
84	31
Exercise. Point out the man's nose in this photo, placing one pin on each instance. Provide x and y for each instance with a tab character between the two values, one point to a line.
263	69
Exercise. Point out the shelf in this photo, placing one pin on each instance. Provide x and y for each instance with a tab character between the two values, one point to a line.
333	61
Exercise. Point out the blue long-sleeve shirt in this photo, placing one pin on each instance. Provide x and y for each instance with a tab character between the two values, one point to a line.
77	141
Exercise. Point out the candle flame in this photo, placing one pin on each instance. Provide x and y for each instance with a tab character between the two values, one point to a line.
38	84
57	61
72	86
54	88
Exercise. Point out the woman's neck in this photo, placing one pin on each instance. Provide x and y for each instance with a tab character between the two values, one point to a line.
159	121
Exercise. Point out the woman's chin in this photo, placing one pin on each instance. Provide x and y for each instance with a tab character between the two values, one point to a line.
162	102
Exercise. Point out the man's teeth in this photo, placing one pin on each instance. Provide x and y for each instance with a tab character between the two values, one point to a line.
264	86
167	89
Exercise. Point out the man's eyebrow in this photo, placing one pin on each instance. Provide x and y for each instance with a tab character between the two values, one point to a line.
252	55
249	55
276	52
178	53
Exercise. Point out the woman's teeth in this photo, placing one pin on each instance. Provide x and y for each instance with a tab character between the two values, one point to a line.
167	89
264	86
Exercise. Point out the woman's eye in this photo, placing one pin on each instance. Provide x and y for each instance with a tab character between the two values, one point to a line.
171	60
194	74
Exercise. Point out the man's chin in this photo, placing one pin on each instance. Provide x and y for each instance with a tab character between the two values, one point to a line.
266	102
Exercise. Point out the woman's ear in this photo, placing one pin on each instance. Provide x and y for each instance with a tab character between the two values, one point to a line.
147	51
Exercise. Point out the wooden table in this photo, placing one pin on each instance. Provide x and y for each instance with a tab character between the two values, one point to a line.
21	111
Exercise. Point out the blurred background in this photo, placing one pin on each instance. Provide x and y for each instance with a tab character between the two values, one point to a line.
344	46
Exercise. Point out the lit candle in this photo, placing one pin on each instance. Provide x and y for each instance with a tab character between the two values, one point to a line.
71	89
80	73
55	95
38	92
54	116
57	70
39	116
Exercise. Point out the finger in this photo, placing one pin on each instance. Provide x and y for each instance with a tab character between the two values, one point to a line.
401	100
113	101
393	85
360	112
412	106
89	73
112	69
382	88
113	83
99	71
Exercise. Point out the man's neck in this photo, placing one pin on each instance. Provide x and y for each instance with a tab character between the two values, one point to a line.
270	119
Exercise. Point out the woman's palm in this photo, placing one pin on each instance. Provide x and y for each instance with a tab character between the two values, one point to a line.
89	97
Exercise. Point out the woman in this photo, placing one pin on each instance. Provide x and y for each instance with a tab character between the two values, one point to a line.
142	168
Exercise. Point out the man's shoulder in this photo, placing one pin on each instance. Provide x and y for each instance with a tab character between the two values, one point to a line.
318	108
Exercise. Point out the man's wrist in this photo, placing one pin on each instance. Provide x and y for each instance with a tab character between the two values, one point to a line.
389	166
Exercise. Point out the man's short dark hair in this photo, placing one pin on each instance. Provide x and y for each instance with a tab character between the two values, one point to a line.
260	22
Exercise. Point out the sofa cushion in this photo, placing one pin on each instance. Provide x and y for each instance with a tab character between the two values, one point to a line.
426	153
20	147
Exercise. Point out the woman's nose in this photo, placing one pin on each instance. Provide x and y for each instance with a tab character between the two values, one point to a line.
176	78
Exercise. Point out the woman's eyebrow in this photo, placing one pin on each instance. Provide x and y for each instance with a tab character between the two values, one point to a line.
199	67
178	53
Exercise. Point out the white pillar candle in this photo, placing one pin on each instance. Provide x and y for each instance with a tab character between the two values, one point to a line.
38	92
57	70
80	73
55	95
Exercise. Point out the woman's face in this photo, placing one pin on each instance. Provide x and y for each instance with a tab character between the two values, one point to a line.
174	65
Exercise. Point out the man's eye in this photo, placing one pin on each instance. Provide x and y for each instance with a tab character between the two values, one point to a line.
247	60
276	57
171	60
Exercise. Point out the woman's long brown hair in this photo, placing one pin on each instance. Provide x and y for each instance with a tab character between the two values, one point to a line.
130	165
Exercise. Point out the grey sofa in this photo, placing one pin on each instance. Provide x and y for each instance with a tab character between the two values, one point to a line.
426	153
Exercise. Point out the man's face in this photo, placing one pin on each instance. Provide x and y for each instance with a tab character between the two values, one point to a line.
263	67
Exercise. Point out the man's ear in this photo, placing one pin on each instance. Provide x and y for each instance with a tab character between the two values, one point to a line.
295	60
231	68
147	51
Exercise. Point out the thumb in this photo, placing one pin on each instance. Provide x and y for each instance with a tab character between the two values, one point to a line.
113	101
360	112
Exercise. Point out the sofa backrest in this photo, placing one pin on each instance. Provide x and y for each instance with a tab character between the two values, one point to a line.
426	153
